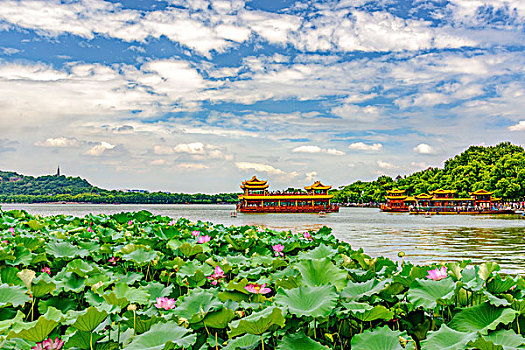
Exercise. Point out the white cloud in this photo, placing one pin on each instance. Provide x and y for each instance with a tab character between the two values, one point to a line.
191	148
518	127
245	166
311	176
58	142
386	165
191	166
317	149
158	162
99	149
361	146
423	148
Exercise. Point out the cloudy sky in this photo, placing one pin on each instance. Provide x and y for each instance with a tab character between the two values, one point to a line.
198	95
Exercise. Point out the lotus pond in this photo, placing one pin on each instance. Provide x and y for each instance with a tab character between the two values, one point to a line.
139	281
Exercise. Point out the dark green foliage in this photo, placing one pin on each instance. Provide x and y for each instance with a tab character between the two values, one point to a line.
17	188
499	168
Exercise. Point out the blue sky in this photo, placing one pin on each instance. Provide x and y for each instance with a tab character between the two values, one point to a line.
198	95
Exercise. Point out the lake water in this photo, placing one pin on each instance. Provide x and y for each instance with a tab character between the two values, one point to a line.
424	240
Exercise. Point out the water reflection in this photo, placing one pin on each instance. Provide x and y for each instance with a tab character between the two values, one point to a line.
424	240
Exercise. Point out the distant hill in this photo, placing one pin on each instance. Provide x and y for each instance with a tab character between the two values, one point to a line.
499	168
18	188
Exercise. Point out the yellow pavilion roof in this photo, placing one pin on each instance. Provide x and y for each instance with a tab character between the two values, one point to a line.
274	197
254	182
480	192
442	191
409	199
254	186
423	196
317	186
395	197
395	190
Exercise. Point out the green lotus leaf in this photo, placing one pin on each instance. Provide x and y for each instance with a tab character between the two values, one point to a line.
87	320
448	339
366	312
6	324
6	256
133	295
258	322
299	341
482	318
62	304
428	293
471	279
308	301
157	290
13	295
499	285
238	286
162	335
321	272
235	296
380	338
140	256
141	322
195	306
246	342
409	274
32	243
494	300
80	267
361	275
83	340
357	291
65	250
9	275
219	319
38	330
287	283
42	285
487	269
519	306
189	250
320	252
504	339
69	281
191	268
34	225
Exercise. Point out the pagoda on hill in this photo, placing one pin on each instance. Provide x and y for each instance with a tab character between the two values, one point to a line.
257	199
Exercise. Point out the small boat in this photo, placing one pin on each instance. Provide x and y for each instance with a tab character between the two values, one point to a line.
322	214
233	214
428	215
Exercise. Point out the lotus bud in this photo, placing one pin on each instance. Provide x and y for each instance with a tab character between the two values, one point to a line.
403	341
97	285
401	254
132	307
183	322
240	313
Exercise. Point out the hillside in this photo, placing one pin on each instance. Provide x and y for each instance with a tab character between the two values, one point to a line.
499	168
17	188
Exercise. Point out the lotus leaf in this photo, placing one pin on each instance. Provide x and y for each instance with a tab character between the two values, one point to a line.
219	319
37	330
499	285
246	342
258	322
162	334
88	319
448	339
504	339
308	301
320	252
428	293
42	285
299	341
195	306
366	312
140	256
487	269
358	291
65	250
380	338
320	272
482	318
13	295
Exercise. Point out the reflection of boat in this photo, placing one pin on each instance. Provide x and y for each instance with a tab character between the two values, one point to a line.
428	215
257	199
233	214
322	214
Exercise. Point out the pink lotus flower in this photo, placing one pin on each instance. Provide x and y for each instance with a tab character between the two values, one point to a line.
113	260
130	222
172	222
196	233
437	274
12	230
89	229
260	229
49	344
204	239
257	289
5	242
278	249
216	277
307	235
165	303
46	270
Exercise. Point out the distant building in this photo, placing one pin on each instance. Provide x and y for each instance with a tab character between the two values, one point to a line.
58	171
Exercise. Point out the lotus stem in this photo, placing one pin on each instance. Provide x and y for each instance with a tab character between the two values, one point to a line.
206	329
315	332
262	342
134	323
91	341
518	324
216	345
147	272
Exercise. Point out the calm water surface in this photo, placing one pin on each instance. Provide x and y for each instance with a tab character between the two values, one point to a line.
424	240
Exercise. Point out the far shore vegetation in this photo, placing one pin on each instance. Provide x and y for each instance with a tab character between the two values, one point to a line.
499	168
